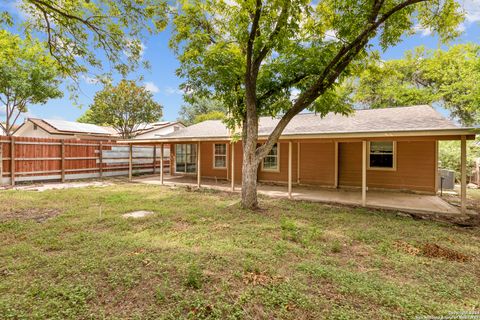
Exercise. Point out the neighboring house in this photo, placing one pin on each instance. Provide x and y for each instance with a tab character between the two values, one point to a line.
2	130
394	148
157	129
61	129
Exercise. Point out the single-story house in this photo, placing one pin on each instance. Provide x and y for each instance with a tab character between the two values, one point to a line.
156	129
3	132
61	129
385	149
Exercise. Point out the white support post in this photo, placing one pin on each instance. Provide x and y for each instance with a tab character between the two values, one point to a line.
161	163
290	169
298	162
232	145
199	171
335	181
463	185
130	166
364	173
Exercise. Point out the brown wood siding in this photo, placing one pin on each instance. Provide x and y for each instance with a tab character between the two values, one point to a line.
350	164
415	167
317	163
207	169
282	175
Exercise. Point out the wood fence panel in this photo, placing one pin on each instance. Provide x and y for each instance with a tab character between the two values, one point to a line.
41	159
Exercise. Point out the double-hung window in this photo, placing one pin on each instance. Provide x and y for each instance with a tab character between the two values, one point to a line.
271	160
382	155
220	155
185	158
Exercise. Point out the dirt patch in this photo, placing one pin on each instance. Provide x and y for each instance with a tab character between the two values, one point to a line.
38	215
259	278
432	250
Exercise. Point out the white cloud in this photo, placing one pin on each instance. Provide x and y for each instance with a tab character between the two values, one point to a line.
472	10
90	80
150	86
423	31
170	91
330	35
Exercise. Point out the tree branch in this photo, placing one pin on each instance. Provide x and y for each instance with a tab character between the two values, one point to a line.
332	71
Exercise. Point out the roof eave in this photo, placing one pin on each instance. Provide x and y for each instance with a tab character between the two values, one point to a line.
368	134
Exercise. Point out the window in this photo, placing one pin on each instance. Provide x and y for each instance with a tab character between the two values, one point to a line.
185	158
381	155
270	162
219	155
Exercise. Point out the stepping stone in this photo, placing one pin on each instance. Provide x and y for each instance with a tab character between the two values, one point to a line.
137	214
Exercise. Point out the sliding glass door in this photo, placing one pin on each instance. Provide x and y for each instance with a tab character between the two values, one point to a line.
185	158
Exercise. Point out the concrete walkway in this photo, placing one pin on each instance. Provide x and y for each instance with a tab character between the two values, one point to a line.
408	202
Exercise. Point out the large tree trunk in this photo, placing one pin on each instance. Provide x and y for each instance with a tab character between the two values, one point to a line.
250	163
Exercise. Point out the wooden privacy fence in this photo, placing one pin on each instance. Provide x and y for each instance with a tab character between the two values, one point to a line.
41	159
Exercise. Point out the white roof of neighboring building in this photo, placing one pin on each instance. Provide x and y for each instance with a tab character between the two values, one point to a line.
62	125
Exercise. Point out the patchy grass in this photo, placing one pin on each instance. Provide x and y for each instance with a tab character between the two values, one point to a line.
201	256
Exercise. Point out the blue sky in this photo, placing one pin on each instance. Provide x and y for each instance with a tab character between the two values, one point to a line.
162	81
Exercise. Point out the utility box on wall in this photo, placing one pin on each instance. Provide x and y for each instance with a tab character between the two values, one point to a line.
446	179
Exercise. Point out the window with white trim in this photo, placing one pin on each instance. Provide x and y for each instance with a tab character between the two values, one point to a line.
382	155
270	162
220	155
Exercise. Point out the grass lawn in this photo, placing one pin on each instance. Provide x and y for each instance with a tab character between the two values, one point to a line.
70	254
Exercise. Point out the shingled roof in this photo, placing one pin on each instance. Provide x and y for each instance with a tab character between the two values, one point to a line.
389	120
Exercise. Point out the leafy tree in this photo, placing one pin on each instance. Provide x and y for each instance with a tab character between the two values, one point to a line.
124	107
253	54
212	115
449	78
75	30
449	156
198	108
28	75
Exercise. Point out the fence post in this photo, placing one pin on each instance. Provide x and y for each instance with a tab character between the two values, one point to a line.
130	159
100	158
154	159
62	151
1	163
12	160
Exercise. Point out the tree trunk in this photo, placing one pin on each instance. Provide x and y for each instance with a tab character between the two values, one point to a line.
250	157
249	184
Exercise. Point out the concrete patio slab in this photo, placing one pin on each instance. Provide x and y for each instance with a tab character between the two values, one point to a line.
402	201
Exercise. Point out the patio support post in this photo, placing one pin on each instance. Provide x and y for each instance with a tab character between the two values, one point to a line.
290	169
233	165
199	173
364	173
298	162
463	183
130	155
335	180
161	163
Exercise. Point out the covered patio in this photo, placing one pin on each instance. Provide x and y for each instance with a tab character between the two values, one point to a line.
391	200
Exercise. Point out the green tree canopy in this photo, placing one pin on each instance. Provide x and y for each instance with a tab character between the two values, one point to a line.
200	109
253	54
447	77
28	75
125	107
77	30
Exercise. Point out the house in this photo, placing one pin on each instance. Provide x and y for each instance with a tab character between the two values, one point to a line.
153	130
61	129
3	132
383	149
